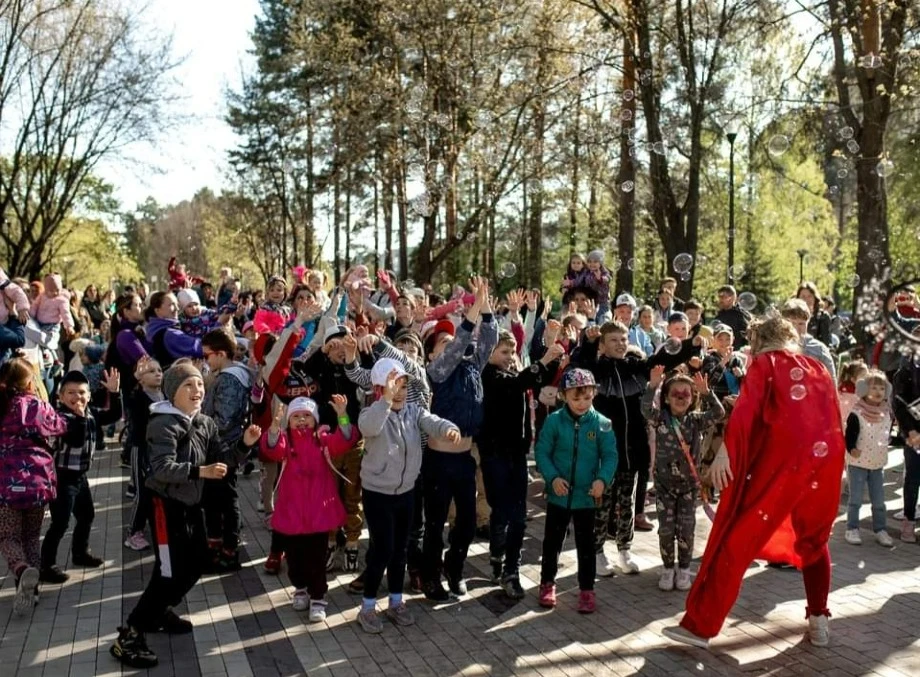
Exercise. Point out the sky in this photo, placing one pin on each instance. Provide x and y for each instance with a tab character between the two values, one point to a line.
213	37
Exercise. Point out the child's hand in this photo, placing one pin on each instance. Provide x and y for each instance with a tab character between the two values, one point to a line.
530	299
252	435
366	343
278	417
553	353
351	348
590	309
339	404
392	387
547	307
702	383
453	436
694	362
738	372
597	491
656	376
855	453
111	379
384	279
560	487
215	471
592	333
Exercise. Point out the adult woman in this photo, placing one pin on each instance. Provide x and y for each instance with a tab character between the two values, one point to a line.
907	410
179	440
819	326
93	307
780	465
128	346
167	342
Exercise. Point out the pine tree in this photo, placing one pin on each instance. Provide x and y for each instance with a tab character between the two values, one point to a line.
759	277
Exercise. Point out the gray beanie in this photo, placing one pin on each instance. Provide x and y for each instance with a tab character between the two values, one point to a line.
175	376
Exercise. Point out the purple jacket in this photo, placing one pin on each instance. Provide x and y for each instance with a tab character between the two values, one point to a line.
27	477
176	343
130	347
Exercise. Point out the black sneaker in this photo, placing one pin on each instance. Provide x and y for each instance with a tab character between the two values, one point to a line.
351	559
248	468
356	587
131	491
415	583
435	591
131	649
229	561
172	624
512	587
87	559
457	585
496	564
53	574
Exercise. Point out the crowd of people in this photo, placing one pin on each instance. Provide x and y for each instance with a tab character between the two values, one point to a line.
380	406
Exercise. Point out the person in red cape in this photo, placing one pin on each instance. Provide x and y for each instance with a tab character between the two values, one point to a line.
780	467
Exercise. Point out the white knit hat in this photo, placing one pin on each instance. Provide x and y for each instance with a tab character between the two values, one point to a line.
187	297
303	404
382	369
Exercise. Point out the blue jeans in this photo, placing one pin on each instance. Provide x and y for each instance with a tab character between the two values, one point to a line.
505	480
858	479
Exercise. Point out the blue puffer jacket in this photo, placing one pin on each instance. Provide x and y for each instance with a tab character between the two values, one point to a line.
579	451
457	380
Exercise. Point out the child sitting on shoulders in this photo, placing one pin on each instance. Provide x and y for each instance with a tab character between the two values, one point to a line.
274	313
867	429
195	319
679	435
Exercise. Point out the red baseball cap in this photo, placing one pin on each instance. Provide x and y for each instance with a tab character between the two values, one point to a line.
442	327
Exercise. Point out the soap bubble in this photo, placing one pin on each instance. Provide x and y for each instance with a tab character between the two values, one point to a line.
683	263
853	146
846	133
820	449
508	270
736	272
814	485
853	281
628	95
778	145
685	277
626	114
798	392
605	425
672	346
884	168
659	148
796	374
747	301
409	283
631	264
627	186
842	173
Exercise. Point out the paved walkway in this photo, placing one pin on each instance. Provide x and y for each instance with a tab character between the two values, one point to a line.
244	624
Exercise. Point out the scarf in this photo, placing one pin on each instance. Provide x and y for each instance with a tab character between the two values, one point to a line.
872	413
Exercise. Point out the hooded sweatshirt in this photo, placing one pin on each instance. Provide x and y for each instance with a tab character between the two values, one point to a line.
53	307
227	402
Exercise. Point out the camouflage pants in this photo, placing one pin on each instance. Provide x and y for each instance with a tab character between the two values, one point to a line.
615	515
676	521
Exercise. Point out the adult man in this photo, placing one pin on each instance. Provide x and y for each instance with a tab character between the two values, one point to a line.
732	315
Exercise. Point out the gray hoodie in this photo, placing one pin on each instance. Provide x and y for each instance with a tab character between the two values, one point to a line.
393	445
177	446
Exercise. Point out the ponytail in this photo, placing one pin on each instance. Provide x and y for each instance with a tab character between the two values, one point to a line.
16	376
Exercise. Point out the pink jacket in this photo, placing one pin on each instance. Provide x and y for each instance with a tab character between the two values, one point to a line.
308	492
15	293
54	310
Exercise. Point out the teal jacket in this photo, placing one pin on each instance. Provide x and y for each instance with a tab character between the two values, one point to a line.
577	451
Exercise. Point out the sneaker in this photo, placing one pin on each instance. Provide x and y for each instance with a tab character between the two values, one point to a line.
666	580
273	564
548	595
400	614
512	587
683	580
625	563
301	600
130	492
587	604
356	587
415	583
434	590
679	634
25	591
884	539
136	541
370	622
496	564
130	648
317	611
248	468
351	559
604	568
818	632
331	551
852	537
643	523
457	585
53	574
87	559
908	531
260	506
228	560
172	624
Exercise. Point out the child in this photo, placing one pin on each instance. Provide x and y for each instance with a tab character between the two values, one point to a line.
392	428
51	310
167	341
597	278
178	277
577	456
850	374
680	427
504	442
867	429
573	272
308	506
27	479
274	313
647	324
149	377
20	302
73	456
195	319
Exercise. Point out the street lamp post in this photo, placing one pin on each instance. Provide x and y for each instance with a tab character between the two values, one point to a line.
731	133
802	253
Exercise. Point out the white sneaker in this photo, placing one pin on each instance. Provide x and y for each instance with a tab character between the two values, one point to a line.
625	563
852	537
301	600
684	579
884	539
604	568
666	580
317	611
818	632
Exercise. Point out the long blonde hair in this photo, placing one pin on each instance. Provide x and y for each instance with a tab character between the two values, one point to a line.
772	333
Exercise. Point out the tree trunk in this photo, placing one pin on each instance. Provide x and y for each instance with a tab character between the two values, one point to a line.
309	233
348	190
401	208
626	239
576	166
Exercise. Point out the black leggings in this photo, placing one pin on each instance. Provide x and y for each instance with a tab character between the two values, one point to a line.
388	520
306	557
911	482
557	522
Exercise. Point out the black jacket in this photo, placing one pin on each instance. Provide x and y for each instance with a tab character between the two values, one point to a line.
907	397
738	319
506	428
